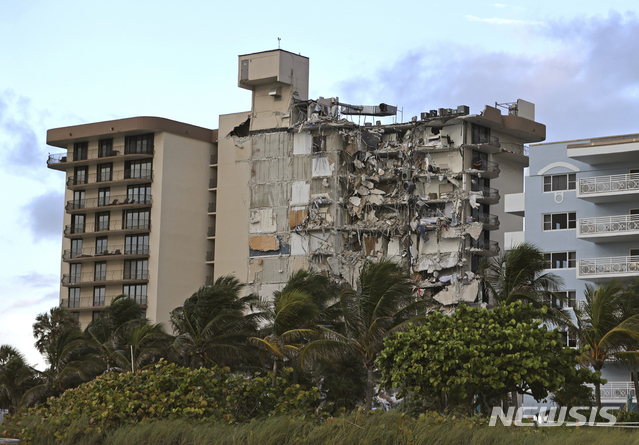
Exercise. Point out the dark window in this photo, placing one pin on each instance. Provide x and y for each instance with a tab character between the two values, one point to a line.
137	170
100	271
75	273
104	197
76	316
80	175
136	291
80	151
74	297
560	221
78	223
96	314
634	252
319	143
136	269
78	200
555	183
481	135
98	295
136	245
101	245
105	172
137	219
105	148
102	220
76	248
142	144
139	194
561	260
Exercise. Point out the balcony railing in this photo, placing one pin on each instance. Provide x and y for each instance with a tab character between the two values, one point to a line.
616	390
91	252
119	175
212	183
609	266
607	184
488	219
90	203
488	193
608	225
212	207
74	229
485	166
210	232
213	159
103	277
484	245
210	256
97	153
96	302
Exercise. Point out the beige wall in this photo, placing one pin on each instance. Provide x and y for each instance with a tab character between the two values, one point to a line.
231	244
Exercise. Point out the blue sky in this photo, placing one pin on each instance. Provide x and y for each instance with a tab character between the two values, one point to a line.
71	62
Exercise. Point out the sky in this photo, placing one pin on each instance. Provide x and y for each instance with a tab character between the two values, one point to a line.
66	62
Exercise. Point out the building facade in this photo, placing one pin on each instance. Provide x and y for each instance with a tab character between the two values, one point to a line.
292	183
581	204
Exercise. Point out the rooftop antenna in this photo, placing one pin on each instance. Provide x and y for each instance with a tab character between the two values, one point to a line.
278	42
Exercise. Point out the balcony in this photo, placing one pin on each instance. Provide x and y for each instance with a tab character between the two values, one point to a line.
95	303
108	253
609	188
210	233
609	228
483	247
210	257
62	161
212	207
489	195
515	204
110	276
128	201
616	391
615	149
126	227
491	222
487	144
100	180
484	169
601	269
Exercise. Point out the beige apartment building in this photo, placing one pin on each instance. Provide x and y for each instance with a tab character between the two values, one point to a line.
291	183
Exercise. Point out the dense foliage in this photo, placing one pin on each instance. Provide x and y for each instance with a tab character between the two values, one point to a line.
168	391
477	356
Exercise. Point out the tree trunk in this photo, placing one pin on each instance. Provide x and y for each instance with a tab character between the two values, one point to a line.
515	399
598	395
274	381
369	388
635	379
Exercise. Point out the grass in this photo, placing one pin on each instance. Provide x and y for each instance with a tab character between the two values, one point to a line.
354	429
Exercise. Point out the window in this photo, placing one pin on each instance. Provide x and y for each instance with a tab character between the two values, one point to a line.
633	211
75	273
105	172
74	297
78	199
561	260
96	314
569	339
319	143
556	183
105	148
481	135
76	248
137	170
100	271
77	223
104	197
136	269
80	151
80	175
101	245
76	316
560	221
139	194
98	295
634	252
136	245
142	144
568	297
136	291
102	220
137	219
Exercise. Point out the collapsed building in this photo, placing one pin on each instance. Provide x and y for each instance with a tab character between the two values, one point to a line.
326	193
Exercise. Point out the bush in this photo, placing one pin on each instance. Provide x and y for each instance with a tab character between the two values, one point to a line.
166	391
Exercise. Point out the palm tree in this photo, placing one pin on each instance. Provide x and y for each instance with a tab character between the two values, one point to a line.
16	378
49	325
212	327
290	319
520	275
382	304
600	327
139	346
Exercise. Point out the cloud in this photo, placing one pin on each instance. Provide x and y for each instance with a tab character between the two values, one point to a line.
19	127
51	297
45	214
585	84
498	21
35	279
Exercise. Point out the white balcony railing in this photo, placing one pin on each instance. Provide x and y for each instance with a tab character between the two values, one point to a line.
609	266
607	184
608	225
616	390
